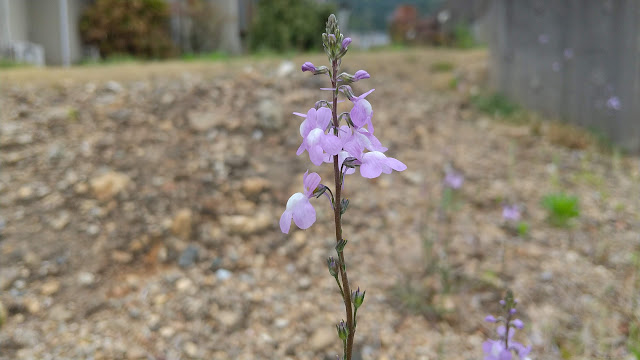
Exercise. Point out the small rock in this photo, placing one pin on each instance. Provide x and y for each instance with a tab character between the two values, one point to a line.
107	185
86	278
189	256
32	305
184	284
254	186
25	192
61	221
203	121
286	68
136	353
59	313
215	264
322	339
229	318
181	224
190	349
269	115
247	225
120	115
223	274
122	257
113	86
58	114
50	287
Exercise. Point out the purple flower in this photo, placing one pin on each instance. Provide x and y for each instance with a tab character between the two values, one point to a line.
490	318
568	53
308	67
613	103
298	206
315	140
494	350
511	212
453	179
373	163
346	42
518	323
362	112
360	75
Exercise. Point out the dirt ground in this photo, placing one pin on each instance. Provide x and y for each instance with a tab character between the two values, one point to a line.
140	207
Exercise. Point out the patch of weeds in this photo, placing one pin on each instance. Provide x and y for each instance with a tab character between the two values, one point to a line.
522	228
633	341
463	37
441	66
417	299
568	135
494	104
453	83
9	64
561	208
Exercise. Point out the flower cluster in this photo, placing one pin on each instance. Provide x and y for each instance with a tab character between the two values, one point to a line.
505	346
323	138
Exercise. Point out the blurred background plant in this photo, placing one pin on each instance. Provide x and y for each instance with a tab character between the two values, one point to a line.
135	27
285	25
561	208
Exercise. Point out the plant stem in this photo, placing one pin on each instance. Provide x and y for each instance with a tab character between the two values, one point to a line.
346	293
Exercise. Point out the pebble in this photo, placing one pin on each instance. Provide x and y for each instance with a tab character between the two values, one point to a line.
223	274
189	256
50	287
86	278
181	224
109	184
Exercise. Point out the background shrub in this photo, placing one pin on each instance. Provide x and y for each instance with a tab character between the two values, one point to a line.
284	25
134	27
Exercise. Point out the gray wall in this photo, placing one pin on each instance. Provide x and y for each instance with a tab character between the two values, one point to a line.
576	60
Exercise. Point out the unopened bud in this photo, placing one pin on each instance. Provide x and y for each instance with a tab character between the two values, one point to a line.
343	330
344	204
340	245
346	42
357	298
347	91
333	266
308	67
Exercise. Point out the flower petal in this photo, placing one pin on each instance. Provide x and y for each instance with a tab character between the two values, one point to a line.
285	221
323	118
396	164
316	155
311	182
304	215
372	164
331	144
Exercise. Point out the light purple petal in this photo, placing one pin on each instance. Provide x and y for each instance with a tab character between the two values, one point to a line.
365	94
490	318
505	355
311	182
309	123
353	148
396	164
316	155
314	137
358	115
360	75
373	164
331	144
304	215
301	149
323	118
285	221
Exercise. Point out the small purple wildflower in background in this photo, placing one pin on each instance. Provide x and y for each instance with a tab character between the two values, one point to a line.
543	38
511	212
555	66
505	347
453	179
568	53
613	103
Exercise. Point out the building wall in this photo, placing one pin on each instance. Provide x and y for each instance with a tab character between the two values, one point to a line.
44	28
575	60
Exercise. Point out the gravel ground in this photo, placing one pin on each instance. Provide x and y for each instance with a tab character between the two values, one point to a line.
140	208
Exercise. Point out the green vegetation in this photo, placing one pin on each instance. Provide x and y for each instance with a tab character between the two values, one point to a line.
284	25
211	56
462	37
136	27
441	66
522	228
8	64
494	104
561	208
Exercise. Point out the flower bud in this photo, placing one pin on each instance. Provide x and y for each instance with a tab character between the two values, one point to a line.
517	323
343	331
490	318
346	42
360	75
333	266
357	298
344	204
308	67
347	91
340	245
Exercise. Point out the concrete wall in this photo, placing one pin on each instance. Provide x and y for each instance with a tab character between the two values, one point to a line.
577	60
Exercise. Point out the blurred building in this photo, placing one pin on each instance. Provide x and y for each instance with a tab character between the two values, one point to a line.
41	31
46	31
